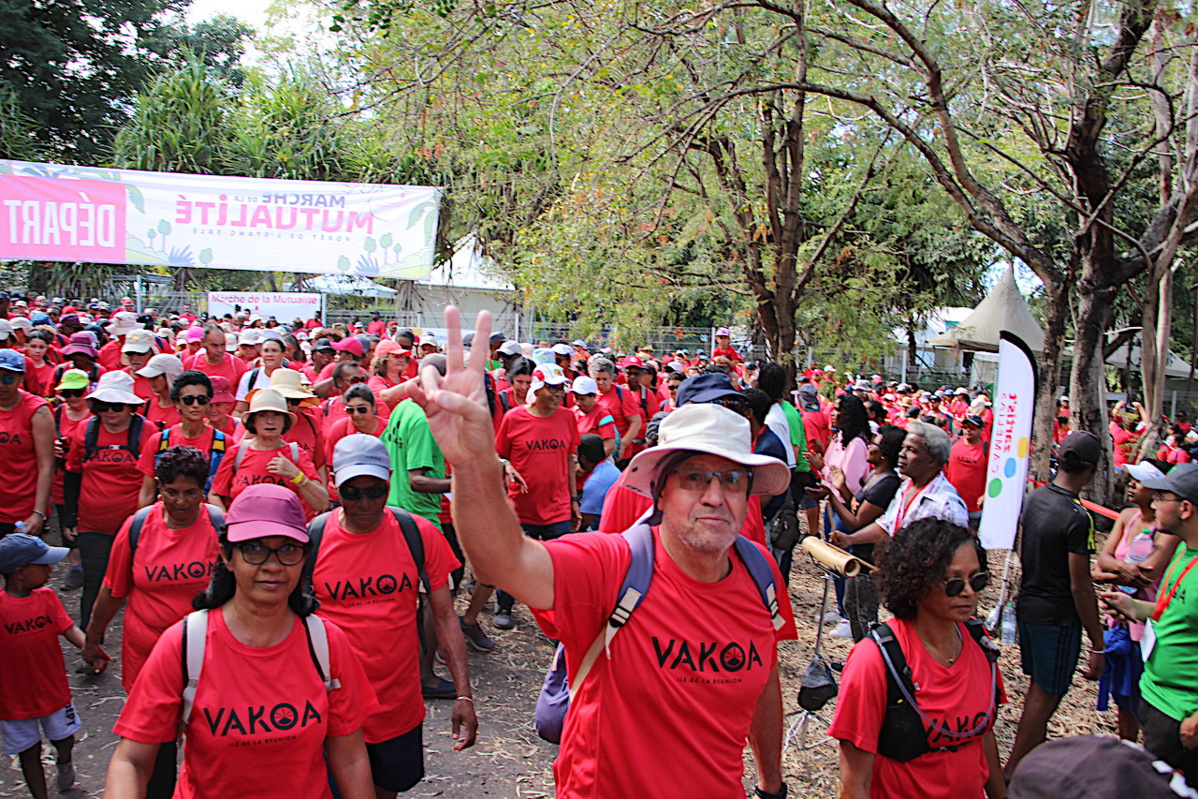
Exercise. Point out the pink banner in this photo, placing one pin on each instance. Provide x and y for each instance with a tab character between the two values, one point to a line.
62	220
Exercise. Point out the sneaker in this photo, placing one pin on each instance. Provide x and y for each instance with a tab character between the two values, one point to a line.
843	630
503	620
439	689
74	579
475	637
66	775
833	617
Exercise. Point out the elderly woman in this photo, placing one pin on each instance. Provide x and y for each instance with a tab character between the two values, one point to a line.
270	715
161	371
264	457
102	483
162	557
919	698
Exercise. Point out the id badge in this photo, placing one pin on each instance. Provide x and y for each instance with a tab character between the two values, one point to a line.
1148	640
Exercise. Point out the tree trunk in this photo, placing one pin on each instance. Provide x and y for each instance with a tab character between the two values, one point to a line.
1087	382
1154	354
1049	377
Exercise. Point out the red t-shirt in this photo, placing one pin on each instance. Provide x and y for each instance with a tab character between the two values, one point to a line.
33	682
1172	455
160	417
345	427
233	429
149	451
367	585
141	385
1125	443
622	507
253	471
110	354
261	714
231	368
727	352
966	470
620	409
598	422
169	568
701	673
815	426
19	457
41	375
67	428
111	480
307	432
646	405
956	696
540	449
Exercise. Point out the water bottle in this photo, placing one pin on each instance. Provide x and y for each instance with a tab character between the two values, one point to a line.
1138	552
1008	624
19	527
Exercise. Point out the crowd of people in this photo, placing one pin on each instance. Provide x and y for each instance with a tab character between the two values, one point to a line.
285	513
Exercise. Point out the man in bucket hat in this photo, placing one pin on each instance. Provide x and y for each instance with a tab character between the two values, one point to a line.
693	673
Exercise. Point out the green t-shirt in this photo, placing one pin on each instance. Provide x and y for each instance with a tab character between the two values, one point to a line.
798	436
1170	680
412	446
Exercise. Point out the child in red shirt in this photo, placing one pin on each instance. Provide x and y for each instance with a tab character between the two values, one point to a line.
34	695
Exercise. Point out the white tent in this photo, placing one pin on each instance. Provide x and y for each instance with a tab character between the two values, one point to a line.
1003	309
344	285
472	281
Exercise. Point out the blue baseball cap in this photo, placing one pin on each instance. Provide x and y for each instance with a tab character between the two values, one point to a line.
12	361
20	549
705	388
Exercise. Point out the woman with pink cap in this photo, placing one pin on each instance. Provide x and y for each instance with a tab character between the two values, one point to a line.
273	699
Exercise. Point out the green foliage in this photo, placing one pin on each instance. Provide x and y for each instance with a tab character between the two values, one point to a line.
18	133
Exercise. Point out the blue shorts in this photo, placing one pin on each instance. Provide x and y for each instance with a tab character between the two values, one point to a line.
24	734
398	764
1049	655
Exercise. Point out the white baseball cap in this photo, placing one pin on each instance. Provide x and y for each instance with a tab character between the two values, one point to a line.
547	374
584	385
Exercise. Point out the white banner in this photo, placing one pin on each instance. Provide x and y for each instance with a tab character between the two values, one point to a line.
283	306
1010	443
52	212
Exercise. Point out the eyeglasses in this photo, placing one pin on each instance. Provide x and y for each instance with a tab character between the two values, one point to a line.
293	402
68	393
735	404
700	479
355	380
353	494
1160	498
255	553
195	399
978	581
352	409
107	407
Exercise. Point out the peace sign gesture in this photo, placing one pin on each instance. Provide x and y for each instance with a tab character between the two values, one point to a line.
456	403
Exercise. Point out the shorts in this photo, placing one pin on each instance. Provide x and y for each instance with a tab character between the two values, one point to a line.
23	734
1162	737
398	764
1049	655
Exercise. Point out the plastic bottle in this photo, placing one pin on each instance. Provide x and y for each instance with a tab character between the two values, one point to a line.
19	527
1008	624
1138	552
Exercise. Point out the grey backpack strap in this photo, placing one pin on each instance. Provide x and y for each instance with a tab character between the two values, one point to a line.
239	457
195	639
318	645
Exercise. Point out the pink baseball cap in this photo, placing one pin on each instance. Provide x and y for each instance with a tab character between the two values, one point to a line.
351	345
220	389
195	334
264	510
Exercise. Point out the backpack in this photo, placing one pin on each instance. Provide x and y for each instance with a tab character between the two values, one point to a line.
903	736
240	456
254	374
195	641
215	516
554	699
91	437
215	455
411	536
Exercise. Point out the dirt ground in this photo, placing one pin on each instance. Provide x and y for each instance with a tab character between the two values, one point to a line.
510	761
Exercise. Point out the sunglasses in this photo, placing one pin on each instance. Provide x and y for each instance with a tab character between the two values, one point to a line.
352	409
107	407
699	479
195	399
68	393
352	494
736	404
11	379
355	380
255	553
293	402
978	581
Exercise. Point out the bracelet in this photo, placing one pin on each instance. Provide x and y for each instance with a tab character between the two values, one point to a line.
760	794
574	499
41	513
299	479
469	699
1094	651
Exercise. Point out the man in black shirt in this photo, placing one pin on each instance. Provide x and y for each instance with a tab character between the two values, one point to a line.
1056	598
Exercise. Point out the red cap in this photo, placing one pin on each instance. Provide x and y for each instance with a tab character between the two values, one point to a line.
349	344
634	362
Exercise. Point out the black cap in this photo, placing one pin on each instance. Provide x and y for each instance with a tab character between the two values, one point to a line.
1081	447
498	338
1182	480
705	388
1093	767
973	420
323	344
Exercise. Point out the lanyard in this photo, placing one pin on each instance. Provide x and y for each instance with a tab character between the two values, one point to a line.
898	519
1163	601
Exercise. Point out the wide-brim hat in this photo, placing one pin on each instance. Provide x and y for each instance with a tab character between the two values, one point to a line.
81	344
123	323
267	399
711	430
290	384
115	387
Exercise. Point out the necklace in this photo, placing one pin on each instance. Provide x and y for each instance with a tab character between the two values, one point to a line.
939	656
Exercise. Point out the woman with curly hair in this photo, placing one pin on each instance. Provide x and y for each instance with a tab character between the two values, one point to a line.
929	576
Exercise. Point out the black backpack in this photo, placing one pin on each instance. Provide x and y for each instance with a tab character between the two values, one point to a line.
903	735
215	516
132	441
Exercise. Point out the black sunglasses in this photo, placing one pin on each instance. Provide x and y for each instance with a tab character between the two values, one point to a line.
977	581
357	409
105	407
195	399
70	392
353	494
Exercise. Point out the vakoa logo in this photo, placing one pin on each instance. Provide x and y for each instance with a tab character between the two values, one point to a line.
704	656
